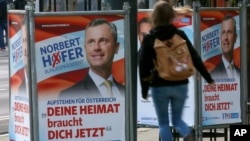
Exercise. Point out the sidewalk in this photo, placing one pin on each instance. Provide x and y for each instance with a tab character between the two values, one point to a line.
4	137
143	134
152	134
147	134
4	53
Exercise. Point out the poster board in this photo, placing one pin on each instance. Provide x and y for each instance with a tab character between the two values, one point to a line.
60	64
220	104
19	118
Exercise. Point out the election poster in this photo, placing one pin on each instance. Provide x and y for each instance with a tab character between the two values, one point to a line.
145	108
74	54
19	120
220	51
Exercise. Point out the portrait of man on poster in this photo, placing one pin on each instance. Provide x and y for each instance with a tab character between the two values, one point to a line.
227	68
143	28
100	46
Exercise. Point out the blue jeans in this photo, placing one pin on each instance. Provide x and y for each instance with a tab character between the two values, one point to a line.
3	27
176	96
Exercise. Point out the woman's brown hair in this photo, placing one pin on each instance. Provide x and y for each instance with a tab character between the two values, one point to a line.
163	14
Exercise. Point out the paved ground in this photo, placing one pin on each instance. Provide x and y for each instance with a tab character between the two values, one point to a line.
152	134
4	137
143	134
4	53
147	134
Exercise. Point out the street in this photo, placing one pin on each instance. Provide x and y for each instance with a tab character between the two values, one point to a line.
4	92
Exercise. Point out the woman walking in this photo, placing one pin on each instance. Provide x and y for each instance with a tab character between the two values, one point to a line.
164	91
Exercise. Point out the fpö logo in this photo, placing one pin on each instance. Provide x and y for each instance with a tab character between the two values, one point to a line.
230	115
56	53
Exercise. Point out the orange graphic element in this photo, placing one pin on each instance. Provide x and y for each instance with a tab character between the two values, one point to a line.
55	26
211	63
118	71
16	81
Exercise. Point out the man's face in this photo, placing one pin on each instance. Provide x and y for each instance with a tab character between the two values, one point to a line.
228	36
100	47
144	29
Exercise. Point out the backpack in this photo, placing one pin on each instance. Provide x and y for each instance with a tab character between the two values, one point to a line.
173	61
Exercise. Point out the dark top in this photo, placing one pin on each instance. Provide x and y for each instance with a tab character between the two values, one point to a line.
147	54
86	88
220	71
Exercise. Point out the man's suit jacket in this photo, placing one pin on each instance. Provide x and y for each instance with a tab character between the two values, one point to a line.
86	88
220	71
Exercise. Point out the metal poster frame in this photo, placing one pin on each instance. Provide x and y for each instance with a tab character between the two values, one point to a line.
19	68
129	125
83	14
130	55
247	18
243	79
